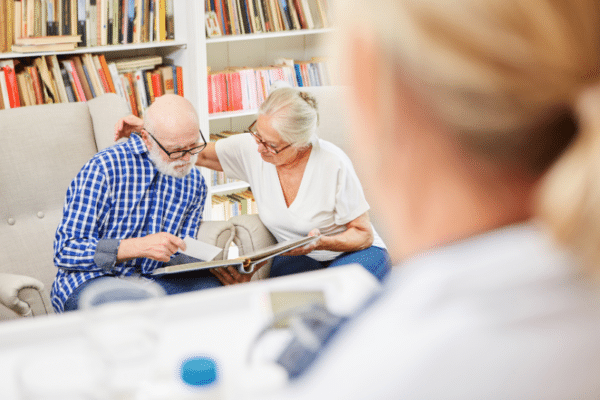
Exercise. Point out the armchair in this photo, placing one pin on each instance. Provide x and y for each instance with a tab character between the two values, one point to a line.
43	148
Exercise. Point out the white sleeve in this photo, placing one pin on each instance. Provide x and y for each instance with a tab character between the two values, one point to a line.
350	199
234	154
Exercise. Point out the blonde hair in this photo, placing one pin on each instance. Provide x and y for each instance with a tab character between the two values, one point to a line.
294	115
513	79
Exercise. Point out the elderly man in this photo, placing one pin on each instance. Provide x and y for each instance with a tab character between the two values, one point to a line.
129	207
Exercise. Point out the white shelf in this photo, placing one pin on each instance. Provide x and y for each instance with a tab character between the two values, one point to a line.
100	49
268	35
231	114
227	188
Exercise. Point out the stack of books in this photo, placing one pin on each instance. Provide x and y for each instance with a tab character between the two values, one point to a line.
74	78
236	17
236	89
36	44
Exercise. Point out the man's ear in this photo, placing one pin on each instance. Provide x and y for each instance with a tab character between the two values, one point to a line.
146	138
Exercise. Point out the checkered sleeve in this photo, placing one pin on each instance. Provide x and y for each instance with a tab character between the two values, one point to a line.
87	201
193	216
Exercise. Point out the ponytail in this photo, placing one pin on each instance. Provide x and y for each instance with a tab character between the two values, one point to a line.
569	197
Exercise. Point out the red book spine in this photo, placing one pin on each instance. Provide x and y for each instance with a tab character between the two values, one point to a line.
157	84
131	93
210	93
11	86
37	85
179	78
107	75
237	92
78	86
104	81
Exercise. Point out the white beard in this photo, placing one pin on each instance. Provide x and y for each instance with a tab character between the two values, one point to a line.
175	168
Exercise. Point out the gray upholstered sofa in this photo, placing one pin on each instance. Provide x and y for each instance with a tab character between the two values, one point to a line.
43	147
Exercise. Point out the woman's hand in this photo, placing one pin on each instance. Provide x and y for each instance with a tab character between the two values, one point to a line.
304	250
126	126
230	275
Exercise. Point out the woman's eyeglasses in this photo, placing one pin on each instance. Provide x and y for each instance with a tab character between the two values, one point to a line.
252	130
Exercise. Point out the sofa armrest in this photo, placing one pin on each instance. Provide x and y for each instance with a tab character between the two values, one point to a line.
23	294
217	233
252	235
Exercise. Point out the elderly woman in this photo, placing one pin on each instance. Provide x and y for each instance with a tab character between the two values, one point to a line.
303	186
479	134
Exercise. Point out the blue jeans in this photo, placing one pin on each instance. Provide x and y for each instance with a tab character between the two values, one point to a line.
375	260
182	282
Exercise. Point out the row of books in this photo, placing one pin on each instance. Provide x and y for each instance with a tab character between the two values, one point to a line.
219	177
235	17
53	79
231	205
238	89
97	22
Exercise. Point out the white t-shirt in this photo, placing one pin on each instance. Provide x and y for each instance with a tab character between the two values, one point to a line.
330	194
504	315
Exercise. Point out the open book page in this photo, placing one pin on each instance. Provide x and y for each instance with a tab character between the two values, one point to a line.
245	264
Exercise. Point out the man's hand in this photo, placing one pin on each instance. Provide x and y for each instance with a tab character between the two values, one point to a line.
230	275
126	126
157	246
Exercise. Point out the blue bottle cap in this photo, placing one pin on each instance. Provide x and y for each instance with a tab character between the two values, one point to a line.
199	371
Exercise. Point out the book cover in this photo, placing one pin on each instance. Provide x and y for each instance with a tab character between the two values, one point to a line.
11	82
4	45
37	48
99	73
245	263
23	92
106	72
35	40
37	85
162	20
69	89
175	88
81	77
114	74
94	80
74	17
4	90
170	20
157	84
10	23
137	21
244	16
148	78
48	85
18	18
76	84
307	14
140	90
209	87
167	79
179	79
54	67
130	20
131	92
126	90
66	17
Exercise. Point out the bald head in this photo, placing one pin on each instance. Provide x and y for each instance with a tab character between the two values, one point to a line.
173	119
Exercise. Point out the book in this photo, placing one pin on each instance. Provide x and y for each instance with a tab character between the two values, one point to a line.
4	90
54	67
69	66
10	79
48	39
48	84
83	78
245	264
167	79
179	79
38	48
37	85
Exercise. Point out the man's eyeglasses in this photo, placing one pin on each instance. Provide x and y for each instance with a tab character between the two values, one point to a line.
174	155
252	130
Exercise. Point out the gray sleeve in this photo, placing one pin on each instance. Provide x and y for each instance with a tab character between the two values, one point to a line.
106	253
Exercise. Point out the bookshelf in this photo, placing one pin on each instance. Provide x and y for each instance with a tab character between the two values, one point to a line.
194	52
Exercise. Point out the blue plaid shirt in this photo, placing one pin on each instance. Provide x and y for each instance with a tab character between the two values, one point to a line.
120	194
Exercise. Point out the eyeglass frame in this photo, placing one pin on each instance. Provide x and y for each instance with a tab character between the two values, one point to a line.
267	146
183	152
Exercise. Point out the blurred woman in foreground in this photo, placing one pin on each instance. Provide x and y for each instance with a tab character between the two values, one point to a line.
486	164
